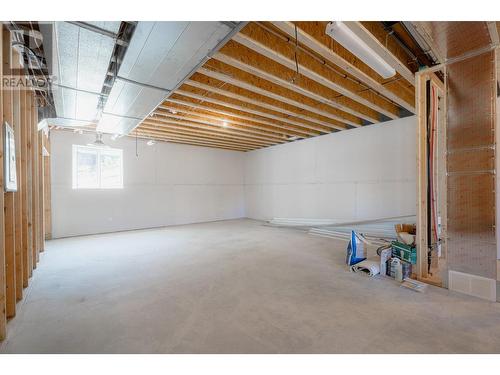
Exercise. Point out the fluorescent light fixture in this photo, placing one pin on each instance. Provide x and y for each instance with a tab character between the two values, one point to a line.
173	111
150	142
293	138
342	34
98	141
224	124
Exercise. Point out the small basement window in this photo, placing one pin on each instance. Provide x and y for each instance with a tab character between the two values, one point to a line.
97	168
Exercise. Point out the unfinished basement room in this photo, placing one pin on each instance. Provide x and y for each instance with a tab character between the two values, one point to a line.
249	187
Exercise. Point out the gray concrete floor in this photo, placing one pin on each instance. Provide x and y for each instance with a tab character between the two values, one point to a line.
233	287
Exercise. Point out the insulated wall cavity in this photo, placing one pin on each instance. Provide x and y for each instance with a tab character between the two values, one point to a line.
471	166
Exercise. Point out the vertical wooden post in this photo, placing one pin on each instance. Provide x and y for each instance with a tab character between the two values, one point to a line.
23	188
3	317
41	206
18	222
35	190
10	245
47	190
29	181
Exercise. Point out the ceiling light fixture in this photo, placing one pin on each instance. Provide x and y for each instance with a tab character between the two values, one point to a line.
173	111
114	137
347	38
224	124
98	141
151	142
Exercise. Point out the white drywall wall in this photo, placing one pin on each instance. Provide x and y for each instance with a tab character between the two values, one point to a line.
167	184
361	173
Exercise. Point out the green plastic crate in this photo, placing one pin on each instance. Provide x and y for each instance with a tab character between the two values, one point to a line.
404	252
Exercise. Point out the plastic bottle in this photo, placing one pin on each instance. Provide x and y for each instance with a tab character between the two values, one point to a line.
398	269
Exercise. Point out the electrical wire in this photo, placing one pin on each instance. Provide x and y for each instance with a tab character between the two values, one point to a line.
296	77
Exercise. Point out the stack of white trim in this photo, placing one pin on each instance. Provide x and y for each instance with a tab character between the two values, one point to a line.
377	231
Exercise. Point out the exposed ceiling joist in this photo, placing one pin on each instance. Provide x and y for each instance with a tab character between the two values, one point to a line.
207	119
375	44
272	95
214	128
258	40
261	122
248	109
314	91
267	86
171	138
314	38
263	104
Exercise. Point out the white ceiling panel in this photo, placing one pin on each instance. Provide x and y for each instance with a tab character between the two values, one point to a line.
160	54
82	61
116	124
112	26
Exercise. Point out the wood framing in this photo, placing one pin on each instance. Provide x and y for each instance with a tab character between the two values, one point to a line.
3	315
9	219
283	81
424	83
21	217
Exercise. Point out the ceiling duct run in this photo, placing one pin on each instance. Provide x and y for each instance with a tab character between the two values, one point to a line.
160	56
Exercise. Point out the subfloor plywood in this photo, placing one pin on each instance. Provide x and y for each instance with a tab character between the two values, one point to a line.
233	287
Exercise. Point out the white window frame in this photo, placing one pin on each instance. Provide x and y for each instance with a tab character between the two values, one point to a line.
98	151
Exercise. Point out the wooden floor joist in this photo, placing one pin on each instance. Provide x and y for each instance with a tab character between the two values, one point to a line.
186	114
315	107
211	127
248	108
230	114
282	81
271	104
182	131
303	85
238	111
376	38
313	36
257	39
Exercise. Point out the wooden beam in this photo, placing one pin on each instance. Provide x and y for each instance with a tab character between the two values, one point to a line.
9	220
177	119
194	139
256	121
29	180
313	36
163	128
303	85
24	188
373	35
299	101
3	315
204	118
185	91
34	184
273	47
492	28
47	190
18	204
41	208
171	139
206	83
